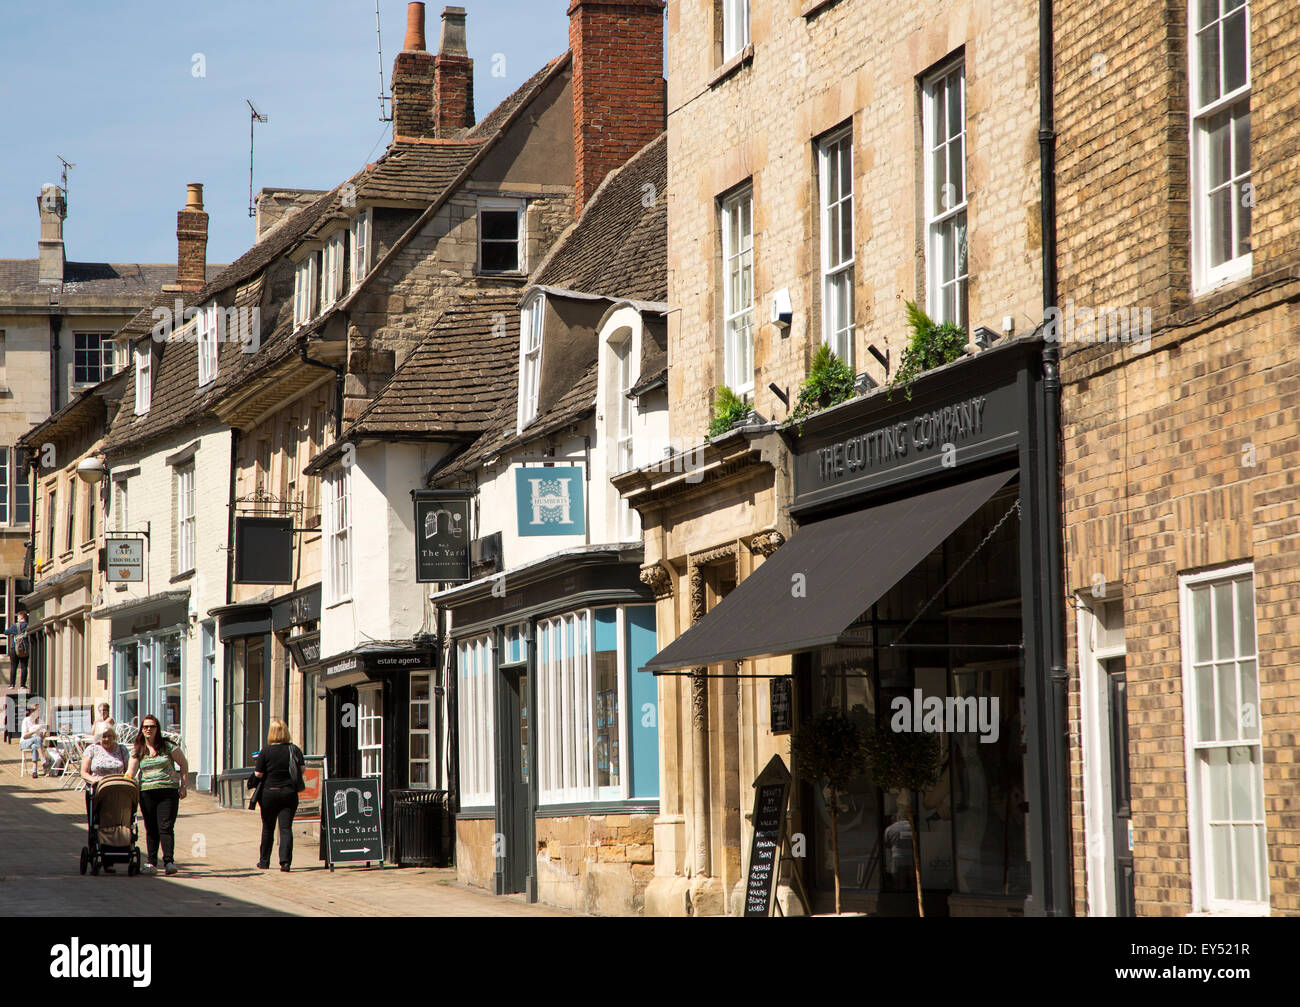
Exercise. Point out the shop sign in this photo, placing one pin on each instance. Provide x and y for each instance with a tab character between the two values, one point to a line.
347	664
406	659
353	815
124	560
782	705
771	793
921	440
549	501
442	538
314	774
305	649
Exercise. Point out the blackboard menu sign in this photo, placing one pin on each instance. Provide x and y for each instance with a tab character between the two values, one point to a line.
782	706
441	538
771	793
352	814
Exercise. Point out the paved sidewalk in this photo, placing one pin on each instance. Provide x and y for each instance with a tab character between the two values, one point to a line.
42	831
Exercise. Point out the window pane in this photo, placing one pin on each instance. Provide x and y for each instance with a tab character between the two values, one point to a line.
832	163
419	716
1205	702
1246	881
846	230
1227	701
1241	783
1234	51
1249	727
1243	220
419	746
1209	64
1208	11
500	256
1220	861
955	123
960	226
1241	139
1245	617
1218	161
1224	645
940	107
1201	624
1216	777
499	225
956	172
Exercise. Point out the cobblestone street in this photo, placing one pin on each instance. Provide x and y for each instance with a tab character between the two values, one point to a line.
42	830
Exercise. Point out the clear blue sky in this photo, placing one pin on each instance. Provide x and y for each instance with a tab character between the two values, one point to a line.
112	88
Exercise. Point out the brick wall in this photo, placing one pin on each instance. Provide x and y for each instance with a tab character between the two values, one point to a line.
618	88
1183	457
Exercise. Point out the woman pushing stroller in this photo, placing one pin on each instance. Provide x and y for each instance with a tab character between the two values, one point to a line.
104	759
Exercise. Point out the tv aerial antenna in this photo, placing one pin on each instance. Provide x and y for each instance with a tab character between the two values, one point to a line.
384	114
254	117
67	166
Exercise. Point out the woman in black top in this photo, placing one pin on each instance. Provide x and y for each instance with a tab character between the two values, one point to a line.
279	794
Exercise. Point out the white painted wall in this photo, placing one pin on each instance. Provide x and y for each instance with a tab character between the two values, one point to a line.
386	602
149	506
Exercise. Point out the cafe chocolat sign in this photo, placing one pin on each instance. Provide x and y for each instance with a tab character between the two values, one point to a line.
942	435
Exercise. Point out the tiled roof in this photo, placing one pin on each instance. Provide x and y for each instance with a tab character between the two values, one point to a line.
102	278
416	171
455	380
619	247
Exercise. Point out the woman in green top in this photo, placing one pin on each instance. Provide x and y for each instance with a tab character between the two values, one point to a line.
160	792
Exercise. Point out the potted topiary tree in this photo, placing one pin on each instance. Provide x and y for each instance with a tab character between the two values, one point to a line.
827	752
902	762
830	382
728	410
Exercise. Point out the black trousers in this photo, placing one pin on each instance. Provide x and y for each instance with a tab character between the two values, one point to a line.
18	671
278	806
159	808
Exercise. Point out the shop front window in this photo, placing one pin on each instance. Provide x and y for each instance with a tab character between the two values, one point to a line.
420	776
170	685
127	708
313	713
245	699
370	730
945	637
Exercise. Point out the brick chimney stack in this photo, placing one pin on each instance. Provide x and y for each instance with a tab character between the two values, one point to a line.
453	78
192	241
618	85
53	205
413	82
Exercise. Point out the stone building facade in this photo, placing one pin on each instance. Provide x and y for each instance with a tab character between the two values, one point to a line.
1180	455
762	98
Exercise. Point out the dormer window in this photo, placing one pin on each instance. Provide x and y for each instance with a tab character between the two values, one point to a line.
530	357
143	377
304	290
360	236
205	334
500	235
331	271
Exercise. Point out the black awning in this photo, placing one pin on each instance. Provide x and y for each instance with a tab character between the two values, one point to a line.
816	585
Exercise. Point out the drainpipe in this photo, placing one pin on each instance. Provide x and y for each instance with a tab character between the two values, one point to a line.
56	325
1058	899
338	388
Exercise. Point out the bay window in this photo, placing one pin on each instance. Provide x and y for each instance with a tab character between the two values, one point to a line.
474	675
592	724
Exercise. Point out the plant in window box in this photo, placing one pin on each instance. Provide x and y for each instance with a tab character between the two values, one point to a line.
728	410
902	762
830	382
828	752
930	345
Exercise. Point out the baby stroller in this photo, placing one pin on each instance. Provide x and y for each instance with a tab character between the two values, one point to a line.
111	827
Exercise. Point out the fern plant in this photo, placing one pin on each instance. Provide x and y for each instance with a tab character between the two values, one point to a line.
830	382
930	345
728	410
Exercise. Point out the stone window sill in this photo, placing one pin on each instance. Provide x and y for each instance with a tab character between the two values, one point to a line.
814	7
732	66
186	575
